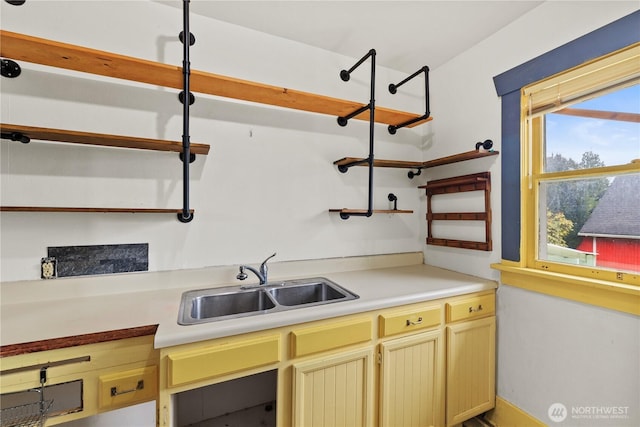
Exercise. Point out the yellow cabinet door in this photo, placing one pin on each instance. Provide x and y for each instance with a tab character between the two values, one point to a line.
470	369
411	387
334	391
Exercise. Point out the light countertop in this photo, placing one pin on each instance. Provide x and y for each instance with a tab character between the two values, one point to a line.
74	310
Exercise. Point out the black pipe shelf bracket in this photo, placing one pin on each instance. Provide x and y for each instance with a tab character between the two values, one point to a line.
345	75
10	69
394	199
487	145
345	167
393	89
412	174
16	136
186	215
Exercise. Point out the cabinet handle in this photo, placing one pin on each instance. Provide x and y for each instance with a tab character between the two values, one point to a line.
115	392
473	310
411	322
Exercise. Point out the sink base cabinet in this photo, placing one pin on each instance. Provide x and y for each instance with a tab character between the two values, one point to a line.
423	364
246	401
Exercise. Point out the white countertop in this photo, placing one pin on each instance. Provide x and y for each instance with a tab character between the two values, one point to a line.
71	312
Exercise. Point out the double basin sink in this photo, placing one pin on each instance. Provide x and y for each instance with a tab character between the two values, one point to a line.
230	302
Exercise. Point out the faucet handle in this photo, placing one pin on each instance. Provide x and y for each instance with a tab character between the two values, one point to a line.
268	258
264	270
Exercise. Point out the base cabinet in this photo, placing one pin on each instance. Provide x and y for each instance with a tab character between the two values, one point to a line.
470	369
417	365
79	381
411	387
334	391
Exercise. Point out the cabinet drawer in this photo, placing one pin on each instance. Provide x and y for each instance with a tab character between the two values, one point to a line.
128	387
216	360
393	323
471	308
327	337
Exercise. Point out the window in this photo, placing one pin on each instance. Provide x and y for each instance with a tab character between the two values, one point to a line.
581	170
520	265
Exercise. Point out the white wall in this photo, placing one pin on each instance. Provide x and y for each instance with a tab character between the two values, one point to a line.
267	183
269	179
550	350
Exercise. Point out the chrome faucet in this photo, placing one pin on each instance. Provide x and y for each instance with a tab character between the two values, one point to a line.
262	274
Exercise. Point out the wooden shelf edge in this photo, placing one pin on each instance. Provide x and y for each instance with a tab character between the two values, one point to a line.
89	210
408	164
362	211
72	341
471	182
90	138
401	164
460	157
463	244
26	48
457	216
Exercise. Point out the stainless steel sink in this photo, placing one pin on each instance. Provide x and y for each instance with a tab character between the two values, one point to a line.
307	293
230	303
208	305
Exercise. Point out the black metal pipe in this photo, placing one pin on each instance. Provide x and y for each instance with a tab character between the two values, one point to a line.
345	167
344	215
393	198
427	108
393	89
411	174
185	215
343	120
16	136
394	128
345	75
372	116
487	144
372	108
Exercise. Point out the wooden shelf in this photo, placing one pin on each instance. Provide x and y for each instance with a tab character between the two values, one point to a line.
364	211
460	157
88	210
21	47
462	244
345	161
403	164
61	135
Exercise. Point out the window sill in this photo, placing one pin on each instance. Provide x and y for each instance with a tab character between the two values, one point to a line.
601	293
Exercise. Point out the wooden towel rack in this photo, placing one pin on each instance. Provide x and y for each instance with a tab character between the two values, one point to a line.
474	182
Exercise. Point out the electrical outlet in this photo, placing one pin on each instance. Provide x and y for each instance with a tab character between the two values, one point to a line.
48	268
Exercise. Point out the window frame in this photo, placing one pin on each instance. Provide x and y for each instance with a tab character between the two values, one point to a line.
531	215
590	77
517	216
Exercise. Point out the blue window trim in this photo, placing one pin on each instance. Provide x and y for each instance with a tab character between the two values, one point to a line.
617	35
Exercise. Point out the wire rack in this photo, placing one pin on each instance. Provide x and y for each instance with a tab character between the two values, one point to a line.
29	415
